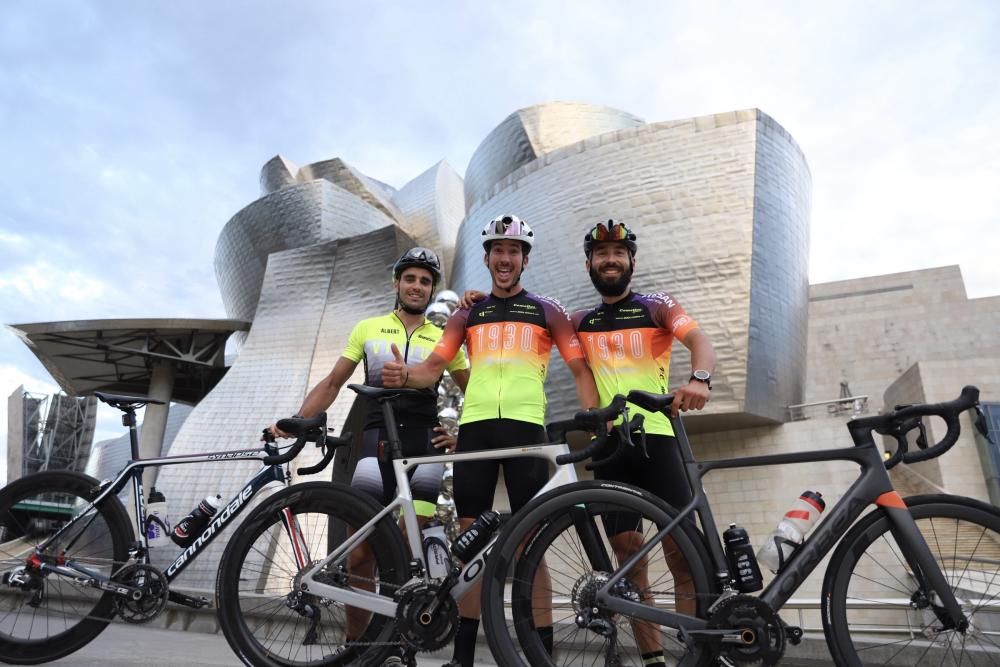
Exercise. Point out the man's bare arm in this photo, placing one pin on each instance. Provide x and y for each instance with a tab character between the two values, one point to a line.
324	393
694	395
397	374
586	388
461	378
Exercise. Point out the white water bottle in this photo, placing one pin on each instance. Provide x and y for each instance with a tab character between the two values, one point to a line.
791	531
436	550
157	524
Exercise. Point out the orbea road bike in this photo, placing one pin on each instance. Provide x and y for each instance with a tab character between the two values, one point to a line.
349	586
915	581
72	559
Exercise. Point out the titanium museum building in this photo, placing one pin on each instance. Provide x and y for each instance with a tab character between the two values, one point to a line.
721	206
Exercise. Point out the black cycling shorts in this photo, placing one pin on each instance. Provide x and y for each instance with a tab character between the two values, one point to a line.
662	474
378	479
476	481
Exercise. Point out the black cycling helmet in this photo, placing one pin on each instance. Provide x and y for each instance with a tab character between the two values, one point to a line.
423	258
609	231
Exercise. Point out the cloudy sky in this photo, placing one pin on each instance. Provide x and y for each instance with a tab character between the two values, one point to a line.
131	132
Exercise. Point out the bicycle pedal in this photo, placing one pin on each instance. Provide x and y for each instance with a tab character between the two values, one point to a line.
188	601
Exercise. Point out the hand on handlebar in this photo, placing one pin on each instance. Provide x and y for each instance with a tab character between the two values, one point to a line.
446	441
691	396
276	432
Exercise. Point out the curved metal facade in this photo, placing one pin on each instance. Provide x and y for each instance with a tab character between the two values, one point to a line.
721	207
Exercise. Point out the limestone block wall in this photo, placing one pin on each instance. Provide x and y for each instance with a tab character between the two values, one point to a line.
869	331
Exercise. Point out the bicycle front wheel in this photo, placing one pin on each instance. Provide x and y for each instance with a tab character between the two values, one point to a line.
265	616
873	608
44	615
559	551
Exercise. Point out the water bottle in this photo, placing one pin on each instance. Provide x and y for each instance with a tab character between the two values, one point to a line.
188	528
742	564
436	550
157	524
791	530
476	537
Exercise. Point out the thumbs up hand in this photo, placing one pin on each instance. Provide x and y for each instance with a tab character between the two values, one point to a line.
394	373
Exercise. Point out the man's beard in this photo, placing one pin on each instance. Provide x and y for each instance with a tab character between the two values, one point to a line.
614	287
413	310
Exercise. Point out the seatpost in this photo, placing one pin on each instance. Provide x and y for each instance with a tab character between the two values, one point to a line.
391	431
128	420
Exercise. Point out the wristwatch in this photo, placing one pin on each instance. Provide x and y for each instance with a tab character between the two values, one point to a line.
702	376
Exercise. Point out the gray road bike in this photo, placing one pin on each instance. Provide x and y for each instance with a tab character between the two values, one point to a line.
72	558
914	581
292	602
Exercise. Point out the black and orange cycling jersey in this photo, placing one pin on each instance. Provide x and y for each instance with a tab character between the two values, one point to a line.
509	341
627	345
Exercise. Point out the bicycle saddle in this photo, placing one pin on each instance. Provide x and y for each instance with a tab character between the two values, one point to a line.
382	393
123	402
649	401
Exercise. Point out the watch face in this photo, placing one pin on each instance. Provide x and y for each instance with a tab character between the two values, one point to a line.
704	376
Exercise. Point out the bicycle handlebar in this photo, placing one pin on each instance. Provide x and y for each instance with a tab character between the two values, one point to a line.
899	422
596	420
308	430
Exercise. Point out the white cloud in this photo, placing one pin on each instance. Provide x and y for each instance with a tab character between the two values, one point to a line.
42	281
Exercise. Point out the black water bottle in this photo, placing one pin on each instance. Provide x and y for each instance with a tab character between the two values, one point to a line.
476	537
742	562
188	528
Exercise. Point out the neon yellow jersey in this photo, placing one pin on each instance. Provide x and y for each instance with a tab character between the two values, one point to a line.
509	342
371	340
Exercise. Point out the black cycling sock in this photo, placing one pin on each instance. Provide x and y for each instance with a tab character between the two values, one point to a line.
545	634
465	642
653	659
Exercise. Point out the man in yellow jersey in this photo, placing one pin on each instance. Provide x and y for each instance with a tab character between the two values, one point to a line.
415	276
509	337
627	340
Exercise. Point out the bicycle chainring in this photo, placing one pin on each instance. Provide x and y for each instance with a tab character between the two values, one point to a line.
758	635
149	598
418	629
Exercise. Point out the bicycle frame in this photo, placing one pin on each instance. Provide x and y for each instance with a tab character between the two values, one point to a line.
470	573
872	486
133	473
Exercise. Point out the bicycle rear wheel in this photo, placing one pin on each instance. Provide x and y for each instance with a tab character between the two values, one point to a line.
268	620
872	613
50	615
571	530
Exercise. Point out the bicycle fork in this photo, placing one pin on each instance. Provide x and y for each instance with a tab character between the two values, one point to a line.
930	579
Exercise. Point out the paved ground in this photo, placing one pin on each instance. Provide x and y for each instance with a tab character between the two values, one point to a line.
130	645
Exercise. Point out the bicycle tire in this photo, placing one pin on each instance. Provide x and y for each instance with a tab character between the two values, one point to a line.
515	643
254	617
31	509
867	590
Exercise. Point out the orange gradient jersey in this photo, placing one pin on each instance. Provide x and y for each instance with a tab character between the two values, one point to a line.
509	342
627	345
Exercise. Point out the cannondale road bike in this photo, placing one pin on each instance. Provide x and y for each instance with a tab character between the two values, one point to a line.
350	587
72	559
915	581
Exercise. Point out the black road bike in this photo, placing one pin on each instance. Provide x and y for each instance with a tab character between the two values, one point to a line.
914	581
71	557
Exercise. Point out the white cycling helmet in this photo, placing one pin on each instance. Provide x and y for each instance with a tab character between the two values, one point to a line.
508	227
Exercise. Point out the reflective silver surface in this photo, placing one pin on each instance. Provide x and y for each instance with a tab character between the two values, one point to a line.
721	207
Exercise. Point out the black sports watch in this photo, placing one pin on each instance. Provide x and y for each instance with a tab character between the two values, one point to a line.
702	376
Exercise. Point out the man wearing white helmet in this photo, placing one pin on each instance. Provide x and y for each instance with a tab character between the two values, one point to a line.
509	337
415	276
